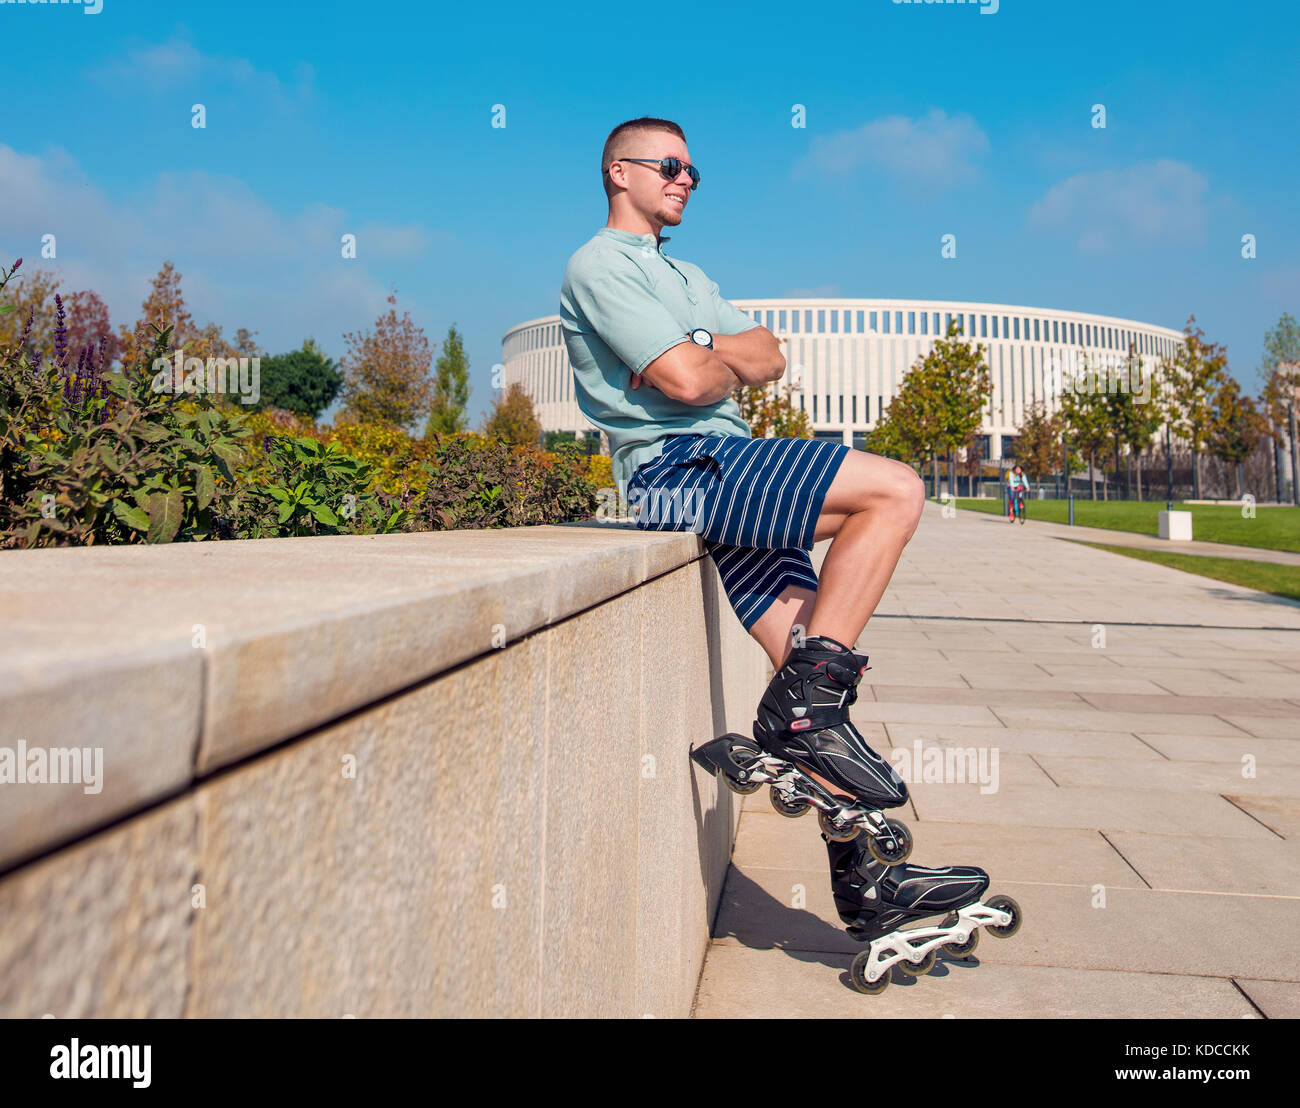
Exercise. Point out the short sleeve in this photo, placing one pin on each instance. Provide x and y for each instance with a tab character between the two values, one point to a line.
731	320
621	307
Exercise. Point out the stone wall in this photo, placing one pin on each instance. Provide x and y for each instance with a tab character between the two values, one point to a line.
410	775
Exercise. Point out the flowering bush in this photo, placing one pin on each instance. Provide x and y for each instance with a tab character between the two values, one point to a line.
91	456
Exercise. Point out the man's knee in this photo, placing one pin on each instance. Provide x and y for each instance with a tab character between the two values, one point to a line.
898	490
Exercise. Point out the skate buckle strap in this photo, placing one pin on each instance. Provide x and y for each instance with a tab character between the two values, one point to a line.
845	673
820	718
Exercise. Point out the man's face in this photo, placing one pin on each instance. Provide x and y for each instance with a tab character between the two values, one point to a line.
658	200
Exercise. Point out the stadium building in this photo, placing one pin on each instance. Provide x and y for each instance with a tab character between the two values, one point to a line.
847	358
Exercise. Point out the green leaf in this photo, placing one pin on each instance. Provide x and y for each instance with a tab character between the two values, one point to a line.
132	517
152	432
204	487
322	513
5	309
229	455
286	510
165	511
110	458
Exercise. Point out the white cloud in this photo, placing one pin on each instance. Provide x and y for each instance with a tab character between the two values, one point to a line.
1160	201
177	63
936	149
242	262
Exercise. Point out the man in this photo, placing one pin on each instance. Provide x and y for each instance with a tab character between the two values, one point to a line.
656	354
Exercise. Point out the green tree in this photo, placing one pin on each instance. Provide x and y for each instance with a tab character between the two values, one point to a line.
771	411
1085	418
513	419
1280	370
939	406
1193	376
303	381
1237	429
31	295
450	388
1143	418
1038	441
552	439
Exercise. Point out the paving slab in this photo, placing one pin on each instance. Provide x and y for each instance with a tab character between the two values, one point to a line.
1092	926
1280	814
1117	744
740	983
1208	863
1103	808
1224	748
1277	1000
1044	855
1214	777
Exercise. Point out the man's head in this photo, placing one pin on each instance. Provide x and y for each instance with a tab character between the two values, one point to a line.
637	191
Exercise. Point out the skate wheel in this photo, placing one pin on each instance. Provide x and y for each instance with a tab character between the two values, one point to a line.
836	832
960	950
858	976
921	968
891	854
1005	904
749	753
790	808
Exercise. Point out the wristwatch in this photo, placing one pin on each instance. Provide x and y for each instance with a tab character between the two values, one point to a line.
701	337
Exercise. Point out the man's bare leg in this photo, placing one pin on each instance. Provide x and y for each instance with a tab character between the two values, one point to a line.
872	508
870	512
772	629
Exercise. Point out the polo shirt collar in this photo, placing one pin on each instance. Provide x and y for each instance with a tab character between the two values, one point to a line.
633	239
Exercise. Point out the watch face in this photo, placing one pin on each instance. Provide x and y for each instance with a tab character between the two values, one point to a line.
701	337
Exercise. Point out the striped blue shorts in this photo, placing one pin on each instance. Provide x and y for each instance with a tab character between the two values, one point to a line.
755	502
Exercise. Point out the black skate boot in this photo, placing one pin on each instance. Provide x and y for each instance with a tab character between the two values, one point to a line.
874	900
803	722
804	718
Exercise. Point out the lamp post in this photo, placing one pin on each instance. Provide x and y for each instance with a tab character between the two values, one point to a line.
1169	468
1069	492
1295	478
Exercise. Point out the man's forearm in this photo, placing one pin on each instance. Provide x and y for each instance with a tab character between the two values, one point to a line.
754	356
718	383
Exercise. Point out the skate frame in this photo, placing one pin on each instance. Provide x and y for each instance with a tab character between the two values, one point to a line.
794	786
916	943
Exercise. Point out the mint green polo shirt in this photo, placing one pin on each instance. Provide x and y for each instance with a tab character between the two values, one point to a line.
622	304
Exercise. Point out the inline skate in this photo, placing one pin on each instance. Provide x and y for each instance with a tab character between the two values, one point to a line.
803	727
874	900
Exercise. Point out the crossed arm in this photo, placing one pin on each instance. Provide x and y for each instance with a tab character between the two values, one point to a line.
698	376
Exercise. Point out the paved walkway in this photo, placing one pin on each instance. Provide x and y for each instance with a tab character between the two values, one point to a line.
1150	542
1146	725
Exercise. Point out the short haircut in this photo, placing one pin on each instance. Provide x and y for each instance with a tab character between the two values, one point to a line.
615	145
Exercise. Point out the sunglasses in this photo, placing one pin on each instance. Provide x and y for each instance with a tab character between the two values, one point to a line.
670	168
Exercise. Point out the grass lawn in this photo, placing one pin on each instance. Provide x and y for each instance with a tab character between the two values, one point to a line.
1264	576
1272	528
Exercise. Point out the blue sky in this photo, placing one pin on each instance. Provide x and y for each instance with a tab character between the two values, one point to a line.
922	120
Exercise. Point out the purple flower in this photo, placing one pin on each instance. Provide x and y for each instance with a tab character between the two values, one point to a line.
16	265
60	333
27	330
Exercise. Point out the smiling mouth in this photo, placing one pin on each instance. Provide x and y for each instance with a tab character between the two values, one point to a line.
679	200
